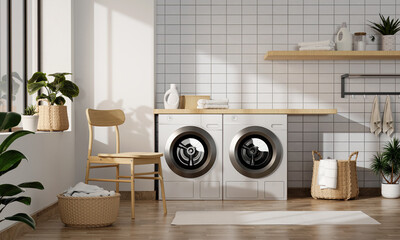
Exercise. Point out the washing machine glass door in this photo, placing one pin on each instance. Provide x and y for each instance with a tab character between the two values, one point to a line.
190	152
255	152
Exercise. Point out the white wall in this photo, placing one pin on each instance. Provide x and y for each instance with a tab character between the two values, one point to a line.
114	68
50	155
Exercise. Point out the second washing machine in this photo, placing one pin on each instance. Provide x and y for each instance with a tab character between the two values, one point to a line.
255	157
192	162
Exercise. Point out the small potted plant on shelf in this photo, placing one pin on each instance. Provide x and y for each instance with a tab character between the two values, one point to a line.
388	28
387	165
9	160
30	119
53	116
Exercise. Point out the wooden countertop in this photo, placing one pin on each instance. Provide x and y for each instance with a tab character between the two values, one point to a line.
247	111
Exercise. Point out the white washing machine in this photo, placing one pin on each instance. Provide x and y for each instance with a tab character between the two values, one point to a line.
255	159
192	162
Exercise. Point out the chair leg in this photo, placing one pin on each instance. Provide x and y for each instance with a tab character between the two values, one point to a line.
161	178
87	171
117	177
132	189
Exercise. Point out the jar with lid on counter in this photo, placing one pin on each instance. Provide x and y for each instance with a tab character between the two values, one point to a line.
359	41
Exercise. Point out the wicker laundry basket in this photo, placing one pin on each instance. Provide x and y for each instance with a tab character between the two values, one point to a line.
52	117
347	183
88	211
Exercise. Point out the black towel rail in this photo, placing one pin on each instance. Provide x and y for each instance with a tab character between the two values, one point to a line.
344	76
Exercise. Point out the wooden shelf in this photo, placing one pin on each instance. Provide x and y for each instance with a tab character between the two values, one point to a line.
247	111
332	55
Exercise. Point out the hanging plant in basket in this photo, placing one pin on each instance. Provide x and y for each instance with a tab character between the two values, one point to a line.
53	116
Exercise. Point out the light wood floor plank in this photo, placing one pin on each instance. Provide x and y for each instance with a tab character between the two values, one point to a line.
150	222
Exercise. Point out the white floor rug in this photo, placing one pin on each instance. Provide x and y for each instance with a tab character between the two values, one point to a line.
272	218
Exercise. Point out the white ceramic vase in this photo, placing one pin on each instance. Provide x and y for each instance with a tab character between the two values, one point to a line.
30	122
390	190
171	98
388	43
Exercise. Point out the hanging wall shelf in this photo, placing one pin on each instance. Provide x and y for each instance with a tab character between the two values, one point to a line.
332	55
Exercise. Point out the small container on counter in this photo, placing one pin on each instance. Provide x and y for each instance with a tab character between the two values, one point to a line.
359	41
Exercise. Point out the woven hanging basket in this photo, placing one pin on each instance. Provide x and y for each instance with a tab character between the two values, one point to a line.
88	211
52	117
347	183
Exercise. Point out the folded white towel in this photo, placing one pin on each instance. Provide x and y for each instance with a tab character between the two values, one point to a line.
327	173
375	122
328	43
85	190
317	48
213	106
388	126
213	102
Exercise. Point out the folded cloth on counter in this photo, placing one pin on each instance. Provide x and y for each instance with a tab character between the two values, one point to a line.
326	43
213	102
375	121
213	106
317	48
388	126
85	190
327	173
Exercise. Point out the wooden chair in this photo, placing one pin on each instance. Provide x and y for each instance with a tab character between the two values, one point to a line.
114	118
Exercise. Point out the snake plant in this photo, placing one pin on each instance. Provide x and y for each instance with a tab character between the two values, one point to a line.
387	26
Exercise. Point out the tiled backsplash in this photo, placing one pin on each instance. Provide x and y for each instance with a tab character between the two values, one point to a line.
217	48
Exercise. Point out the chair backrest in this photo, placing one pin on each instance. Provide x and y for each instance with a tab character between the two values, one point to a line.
104	118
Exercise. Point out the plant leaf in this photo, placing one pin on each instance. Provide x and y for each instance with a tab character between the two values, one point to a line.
70	89
34	87
24	218
35	185
37	77
22	199
52	98
9	120
10	139
9	190
42	96
59	100
8	159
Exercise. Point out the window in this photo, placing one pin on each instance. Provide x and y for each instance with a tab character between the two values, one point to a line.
19	48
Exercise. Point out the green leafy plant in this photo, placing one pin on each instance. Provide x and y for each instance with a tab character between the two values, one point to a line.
56	89
9	160
30	110
387	163
386	26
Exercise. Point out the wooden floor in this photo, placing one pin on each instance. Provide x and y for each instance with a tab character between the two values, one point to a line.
150	223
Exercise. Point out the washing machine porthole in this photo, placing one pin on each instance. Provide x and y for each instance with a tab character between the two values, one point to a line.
190	152
255	152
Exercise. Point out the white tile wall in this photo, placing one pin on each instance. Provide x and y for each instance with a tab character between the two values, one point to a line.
217	48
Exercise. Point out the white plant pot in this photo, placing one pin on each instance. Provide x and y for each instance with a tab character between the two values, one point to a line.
30	123
390	190
388	43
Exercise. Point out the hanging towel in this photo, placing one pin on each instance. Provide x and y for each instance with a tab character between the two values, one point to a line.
388	126
317	48
327	173
326	43
375	123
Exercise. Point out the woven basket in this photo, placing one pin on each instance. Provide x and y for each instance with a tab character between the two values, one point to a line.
52	117
88	211
347	183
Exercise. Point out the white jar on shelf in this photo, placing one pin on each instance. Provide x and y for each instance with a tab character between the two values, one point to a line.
359	41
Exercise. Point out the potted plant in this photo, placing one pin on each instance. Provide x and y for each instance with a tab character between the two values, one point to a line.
9	160
388	28
387	165
52	117
30	119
